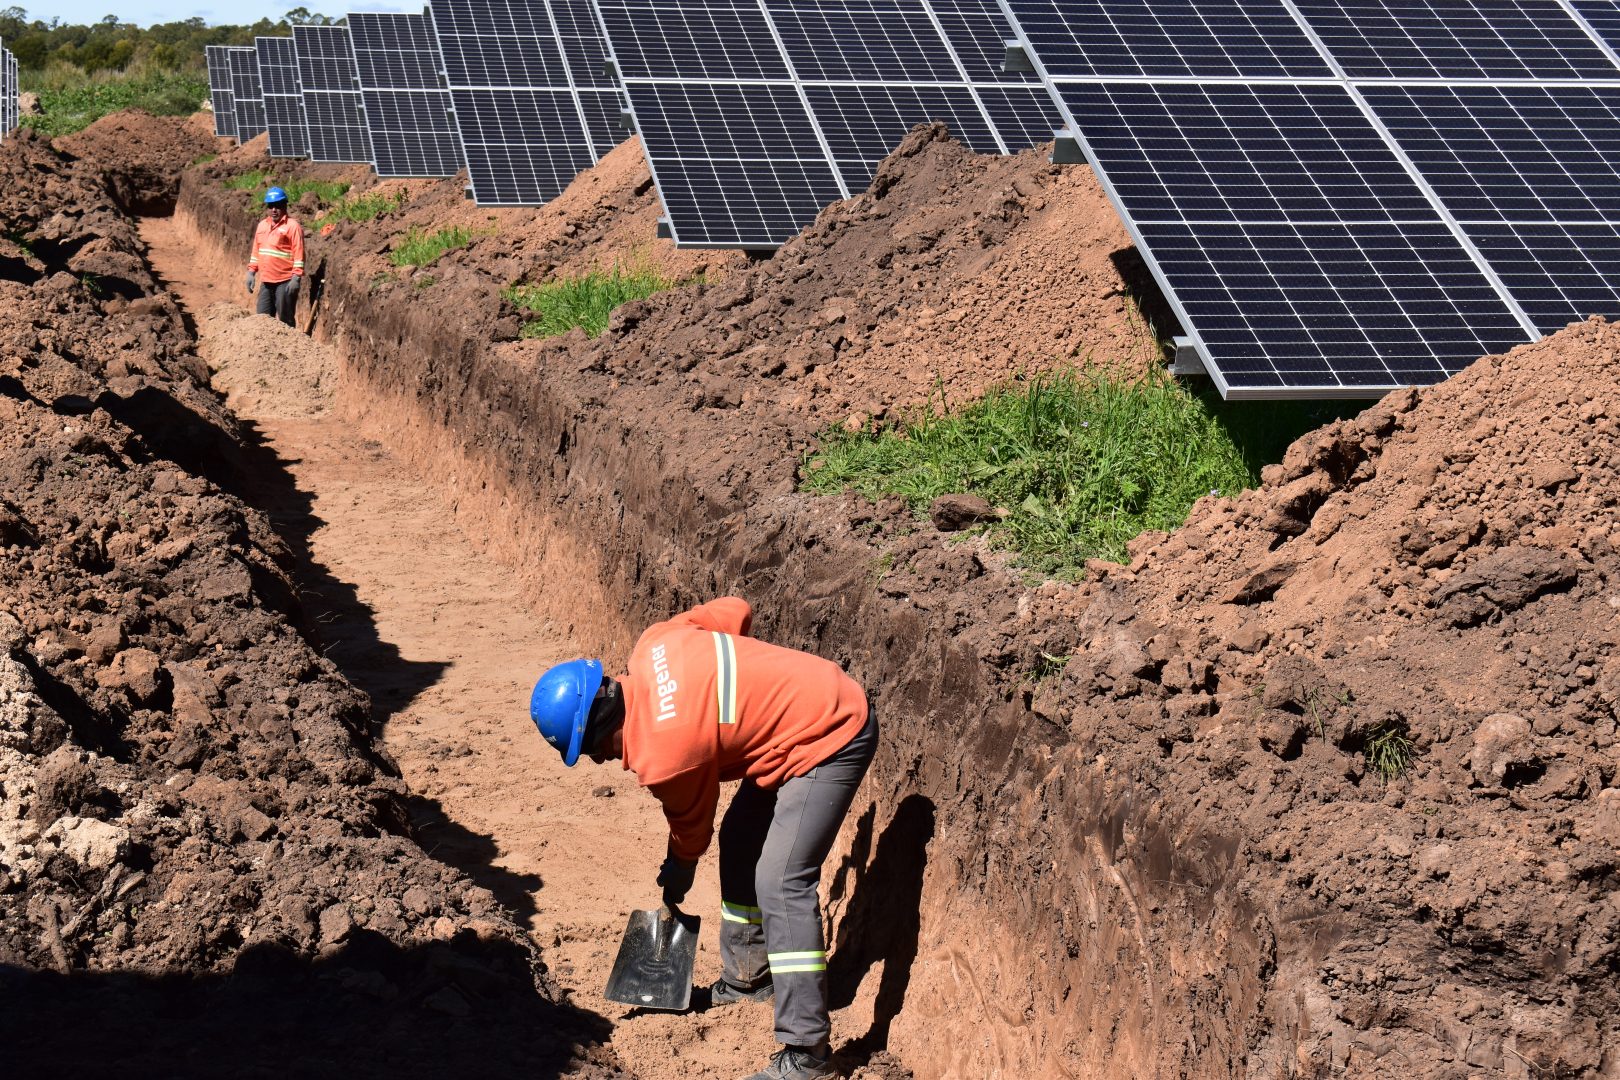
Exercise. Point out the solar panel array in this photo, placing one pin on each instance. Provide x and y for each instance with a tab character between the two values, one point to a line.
334	116
283	97
10	107
247	100
517	109
220	93
407	106
1339	198
754	114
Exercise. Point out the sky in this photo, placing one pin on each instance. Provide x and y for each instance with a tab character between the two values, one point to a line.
213	12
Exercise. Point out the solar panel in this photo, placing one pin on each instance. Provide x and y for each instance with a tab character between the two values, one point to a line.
9	113
1533	175
1428	183
864	72
1456	39
407	107
247	101
219	90
283	97
1604	18
333	114
516	108
585	51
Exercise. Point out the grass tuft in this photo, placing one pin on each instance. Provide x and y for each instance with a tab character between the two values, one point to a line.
362	208
419	248
1081	462
585	301
258	181
1389	752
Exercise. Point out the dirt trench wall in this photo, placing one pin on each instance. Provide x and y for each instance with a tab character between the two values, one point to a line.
1014	909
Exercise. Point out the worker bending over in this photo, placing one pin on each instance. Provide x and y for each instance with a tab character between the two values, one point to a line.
704	703
277	263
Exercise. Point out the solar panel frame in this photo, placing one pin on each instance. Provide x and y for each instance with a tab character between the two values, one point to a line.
247	101
407	105
334	111
10	106
1603	18
283	96
220	95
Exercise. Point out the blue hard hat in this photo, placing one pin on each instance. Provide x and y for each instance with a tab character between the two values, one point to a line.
561	702
274	195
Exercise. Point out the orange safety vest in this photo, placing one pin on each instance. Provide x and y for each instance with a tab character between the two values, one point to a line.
706	703
278	250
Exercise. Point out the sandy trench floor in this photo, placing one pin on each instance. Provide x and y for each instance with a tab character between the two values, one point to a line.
449	666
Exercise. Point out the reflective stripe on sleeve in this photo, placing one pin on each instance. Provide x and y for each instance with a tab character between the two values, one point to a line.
786	963
725	678
740	913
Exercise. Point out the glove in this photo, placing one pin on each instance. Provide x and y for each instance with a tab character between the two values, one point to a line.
252	280
292	286
675	878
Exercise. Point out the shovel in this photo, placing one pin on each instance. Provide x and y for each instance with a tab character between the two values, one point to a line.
654	967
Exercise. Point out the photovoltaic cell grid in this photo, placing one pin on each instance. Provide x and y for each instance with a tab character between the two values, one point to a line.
219	90
283	98
333	114
407	107
519	116
585	52
1604	17
864	72
10	110
247	101
1348	236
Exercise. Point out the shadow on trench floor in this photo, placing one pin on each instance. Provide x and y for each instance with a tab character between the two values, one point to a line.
370	1009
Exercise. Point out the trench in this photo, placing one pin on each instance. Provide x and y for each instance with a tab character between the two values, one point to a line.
999	904
434	629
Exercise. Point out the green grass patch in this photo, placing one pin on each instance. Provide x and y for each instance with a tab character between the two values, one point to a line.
1081	461
362	208
69	106
1389	752
585	301
420	248
258	181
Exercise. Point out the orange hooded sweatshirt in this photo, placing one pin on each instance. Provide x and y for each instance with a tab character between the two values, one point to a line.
706	703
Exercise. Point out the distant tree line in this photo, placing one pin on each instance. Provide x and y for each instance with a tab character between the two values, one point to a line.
113	46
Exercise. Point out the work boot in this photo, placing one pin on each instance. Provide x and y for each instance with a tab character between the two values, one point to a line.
798	1063
725	992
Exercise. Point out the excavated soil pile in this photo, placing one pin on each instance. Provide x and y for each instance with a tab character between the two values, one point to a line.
141	156
1128	827
1444	568
205	869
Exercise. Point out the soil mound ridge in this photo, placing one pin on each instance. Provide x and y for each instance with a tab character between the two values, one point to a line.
1438	576
198	846
141	156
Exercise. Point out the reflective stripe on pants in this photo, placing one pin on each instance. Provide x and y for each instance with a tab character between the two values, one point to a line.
772	845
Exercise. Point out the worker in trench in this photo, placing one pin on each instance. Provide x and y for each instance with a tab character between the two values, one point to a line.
705	703
276	266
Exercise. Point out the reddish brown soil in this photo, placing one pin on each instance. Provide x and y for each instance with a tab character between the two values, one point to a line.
1123	828
201	847
140	156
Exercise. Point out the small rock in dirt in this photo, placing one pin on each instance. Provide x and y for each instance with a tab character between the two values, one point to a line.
1248	638
137	672
602	792
251	824
1549	474
1435	861
417	900
93	844
336	923
952	513
448	1000
1501	742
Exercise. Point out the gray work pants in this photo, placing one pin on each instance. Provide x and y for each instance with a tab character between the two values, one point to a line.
772	845
279	299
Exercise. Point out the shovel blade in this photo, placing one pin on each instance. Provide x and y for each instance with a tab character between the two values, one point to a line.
654	967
